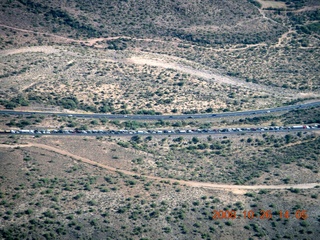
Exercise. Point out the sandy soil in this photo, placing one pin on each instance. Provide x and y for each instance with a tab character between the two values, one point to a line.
237	189
44	49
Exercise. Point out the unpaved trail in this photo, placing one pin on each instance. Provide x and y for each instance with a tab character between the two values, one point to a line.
238	189
283	38
88	42
265	17
47	34
92	41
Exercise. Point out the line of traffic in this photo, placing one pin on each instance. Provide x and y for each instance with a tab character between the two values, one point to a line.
75	132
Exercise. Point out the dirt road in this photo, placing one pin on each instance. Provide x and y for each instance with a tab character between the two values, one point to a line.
88	42
234	188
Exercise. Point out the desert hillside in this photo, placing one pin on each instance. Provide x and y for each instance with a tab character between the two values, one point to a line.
172	57
98	166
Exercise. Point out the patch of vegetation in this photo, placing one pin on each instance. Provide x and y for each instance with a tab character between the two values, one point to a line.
302	116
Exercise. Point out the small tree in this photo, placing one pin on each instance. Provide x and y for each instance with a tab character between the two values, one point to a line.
136	139
195	140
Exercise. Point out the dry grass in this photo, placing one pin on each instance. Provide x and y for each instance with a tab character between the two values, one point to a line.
272	4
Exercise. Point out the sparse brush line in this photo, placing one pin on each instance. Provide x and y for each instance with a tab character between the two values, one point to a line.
294	143
228	187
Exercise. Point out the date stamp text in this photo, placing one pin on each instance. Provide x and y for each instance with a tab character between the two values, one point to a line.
261	214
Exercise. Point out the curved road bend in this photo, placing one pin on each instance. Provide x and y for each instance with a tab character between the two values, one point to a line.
168	117
228	187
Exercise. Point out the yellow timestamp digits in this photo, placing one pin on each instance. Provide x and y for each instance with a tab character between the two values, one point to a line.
262	214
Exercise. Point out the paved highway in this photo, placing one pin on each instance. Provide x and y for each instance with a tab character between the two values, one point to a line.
166	133
168	117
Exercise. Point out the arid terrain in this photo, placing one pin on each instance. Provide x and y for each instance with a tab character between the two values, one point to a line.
159	58
70	61
51	188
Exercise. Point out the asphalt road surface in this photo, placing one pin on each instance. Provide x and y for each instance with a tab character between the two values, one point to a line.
168	117
155	134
